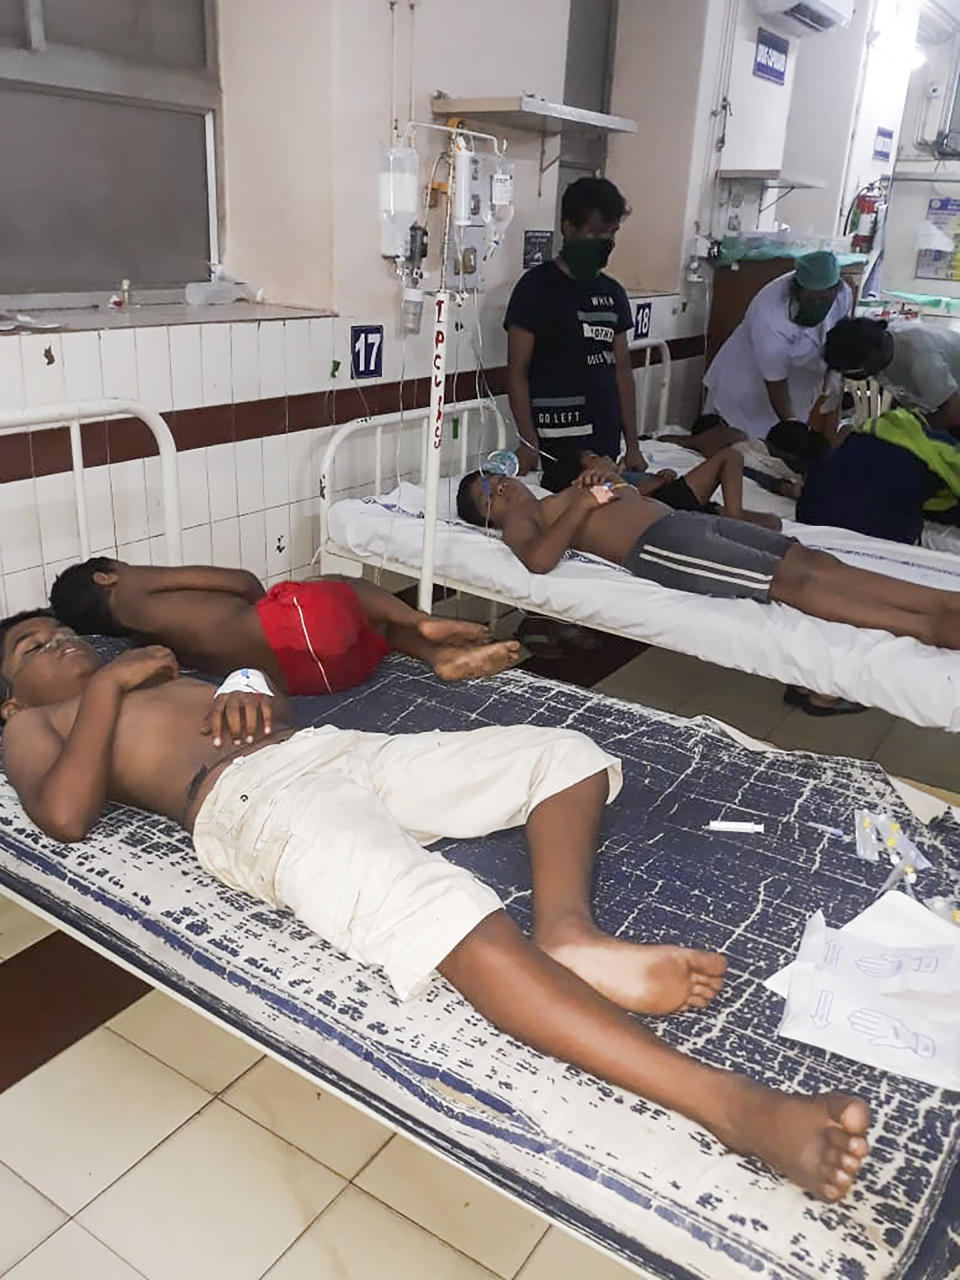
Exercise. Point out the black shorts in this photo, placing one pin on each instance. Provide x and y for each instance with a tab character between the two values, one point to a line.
678	495
709	555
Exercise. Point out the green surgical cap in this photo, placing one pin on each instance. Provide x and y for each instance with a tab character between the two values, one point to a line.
817	271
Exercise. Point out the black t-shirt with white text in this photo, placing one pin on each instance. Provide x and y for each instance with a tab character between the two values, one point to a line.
572	377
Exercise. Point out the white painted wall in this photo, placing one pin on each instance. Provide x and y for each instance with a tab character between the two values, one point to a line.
757	129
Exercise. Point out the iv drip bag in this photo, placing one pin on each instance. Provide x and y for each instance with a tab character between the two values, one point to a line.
399	198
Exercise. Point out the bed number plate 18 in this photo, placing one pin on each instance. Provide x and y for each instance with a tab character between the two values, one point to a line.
641	320
366	350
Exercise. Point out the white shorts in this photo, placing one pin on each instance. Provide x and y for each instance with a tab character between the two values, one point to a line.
332	824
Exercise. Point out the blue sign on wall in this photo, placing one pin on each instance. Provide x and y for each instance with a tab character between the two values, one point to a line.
883	144
770	59
366	350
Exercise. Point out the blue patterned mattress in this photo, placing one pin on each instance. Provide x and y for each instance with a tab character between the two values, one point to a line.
642	1182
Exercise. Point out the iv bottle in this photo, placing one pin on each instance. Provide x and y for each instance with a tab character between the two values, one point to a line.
398	198
411	309
501	195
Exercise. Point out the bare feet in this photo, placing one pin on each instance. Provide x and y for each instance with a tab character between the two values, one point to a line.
465	662
452	631
641	979
817	1142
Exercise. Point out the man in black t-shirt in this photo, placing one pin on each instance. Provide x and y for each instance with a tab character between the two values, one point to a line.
569	376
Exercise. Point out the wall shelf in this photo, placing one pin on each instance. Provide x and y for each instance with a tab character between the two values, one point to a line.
526	111
773	179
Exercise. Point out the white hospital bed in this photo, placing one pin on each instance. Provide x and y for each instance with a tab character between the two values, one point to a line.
388	532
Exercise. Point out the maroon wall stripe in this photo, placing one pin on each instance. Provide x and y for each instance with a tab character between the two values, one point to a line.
51	995
44	453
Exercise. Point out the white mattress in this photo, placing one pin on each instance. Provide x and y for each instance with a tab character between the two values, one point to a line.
900	675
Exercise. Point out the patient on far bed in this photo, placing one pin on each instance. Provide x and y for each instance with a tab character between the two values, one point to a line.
309	637
704	554
333	825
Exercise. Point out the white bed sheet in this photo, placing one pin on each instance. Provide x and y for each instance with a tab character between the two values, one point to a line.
900	675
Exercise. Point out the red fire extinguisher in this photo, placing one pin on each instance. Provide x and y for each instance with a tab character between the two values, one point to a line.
862	218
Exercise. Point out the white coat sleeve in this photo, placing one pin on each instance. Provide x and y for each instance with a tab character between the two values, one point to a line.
770	349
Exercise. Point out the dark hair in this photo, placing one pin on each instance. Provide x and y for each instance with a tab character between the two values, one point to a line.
83	604
585	195
853	343
7	625
799	447
467	508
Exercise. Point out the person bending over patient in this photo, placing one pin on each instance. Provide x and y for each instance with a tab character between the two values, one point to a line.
309	637
690	492
332	824
707	555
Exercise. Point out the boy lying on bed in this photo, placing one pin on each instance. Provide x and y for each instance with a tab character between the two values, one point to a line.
309	637
333	825
690	492
705	554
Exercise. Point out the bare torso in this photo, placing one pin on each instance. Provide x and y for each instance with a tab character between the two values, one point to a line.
612	530
161	760
211	631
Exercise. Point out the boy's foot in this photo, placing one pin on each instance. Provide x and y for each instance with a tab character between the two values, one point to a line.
817	1142
641	978
452	631
465	662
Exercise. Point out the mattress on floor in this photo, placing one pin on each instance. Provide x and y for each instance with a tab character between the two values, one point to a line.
641	1181
898	674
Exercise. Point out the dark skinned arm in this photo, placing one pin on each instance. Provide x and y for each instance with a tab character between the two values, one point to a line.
520	344
626	390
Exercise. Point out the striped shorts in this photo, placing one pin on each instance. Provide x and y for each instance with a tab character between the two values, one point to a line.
709	555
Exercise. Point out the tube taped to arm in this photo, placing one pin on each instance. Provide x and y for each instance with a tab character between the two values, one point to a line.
245	680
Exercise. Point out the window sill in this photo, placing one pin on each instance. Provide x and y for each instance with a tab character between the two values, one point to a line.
144	316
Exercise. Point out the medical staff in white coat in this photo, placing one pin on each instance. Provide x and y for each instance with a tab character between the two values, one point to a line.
771	368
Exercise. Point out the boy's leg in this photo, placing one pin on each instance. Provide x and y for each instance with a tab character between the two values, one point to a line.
821	585
562	834
817	1142
454	650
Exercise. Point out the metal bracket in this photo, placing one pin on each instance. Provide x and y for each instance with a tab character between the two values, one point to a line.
544	167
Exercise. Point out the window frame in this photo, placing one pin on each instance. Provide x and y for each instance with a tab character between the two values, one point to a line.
85	73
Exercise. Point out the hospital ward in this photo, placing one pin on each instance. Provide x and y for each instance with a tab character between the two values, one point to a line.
480	640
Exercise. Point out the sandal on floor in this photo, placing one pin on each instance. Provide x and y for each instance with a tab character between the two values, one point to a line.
539	636
579	637
794	697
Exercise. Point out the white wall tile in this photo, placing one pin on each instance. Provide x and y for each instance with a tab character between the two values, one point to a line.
249	476
215	363
301	376
276	477
99	507
185	366
304	465
245	361
278	541
82	378
20	544
129	501
3	605
25	590
225	549
197	547
194	493
304	532
253	543
135	552
158	550
118	360
12	394
153	367
42	368
321	352
273	379
57	509
222	481
153	479
52	571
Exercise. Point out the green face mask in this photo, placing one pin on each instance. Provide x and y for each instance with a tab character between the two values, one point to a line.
586	258
809	312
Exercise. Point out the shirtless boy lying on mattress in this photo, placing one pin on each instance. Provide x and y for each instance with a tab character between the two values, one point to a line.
704	554
310	637
333	824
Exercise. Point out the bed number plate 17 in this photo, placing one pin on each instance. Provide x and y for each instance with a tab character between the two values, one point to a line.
641	320
366	350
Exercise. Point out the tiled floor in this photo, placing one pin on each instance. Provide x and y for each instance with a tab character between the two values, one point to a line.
159	1146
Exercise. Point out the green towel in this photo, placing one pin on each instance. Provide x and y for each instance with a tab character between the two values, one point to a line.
937	450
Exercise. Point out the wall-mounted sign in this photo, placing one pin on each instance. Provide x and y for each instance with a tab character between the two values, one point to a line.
643	313
883	144
770	59
366	350
938	241
537	248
